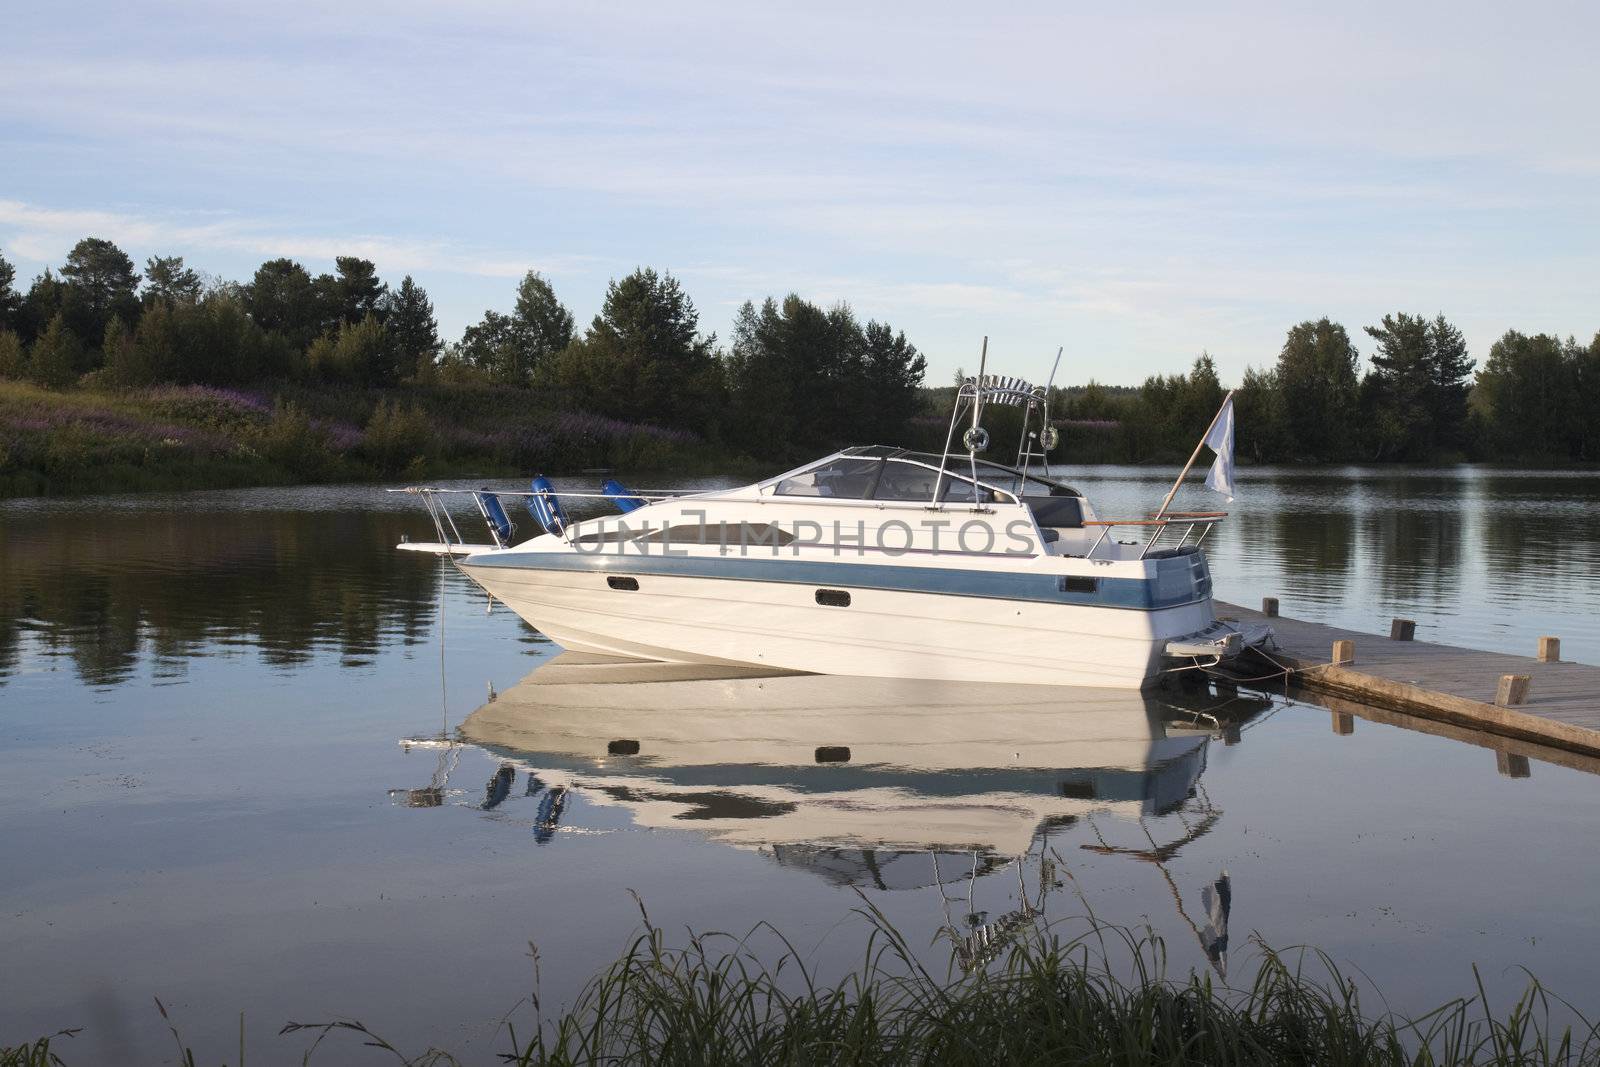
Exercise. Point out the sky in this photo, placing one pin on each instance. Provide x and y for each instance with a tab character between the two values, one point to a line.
1133	183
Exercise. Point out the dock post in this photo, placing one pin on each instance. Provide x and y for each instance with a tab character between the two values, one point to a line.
1512	765
1269	606
1344	652
1344	723
1513	689
1549	650
1402	630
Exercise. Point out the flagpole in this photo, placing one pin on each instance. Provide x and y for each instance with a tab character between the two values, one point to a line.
1165	504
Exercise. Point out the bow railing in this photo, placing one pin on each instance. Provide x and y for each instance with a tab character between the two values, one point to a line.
1190	521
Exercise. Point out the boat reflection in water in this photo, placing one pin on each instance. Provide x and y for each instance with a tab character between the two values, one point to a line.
879	783
891	783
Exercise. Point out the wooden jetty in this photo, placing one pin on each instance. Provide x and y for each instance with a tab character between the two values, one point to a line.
1538	698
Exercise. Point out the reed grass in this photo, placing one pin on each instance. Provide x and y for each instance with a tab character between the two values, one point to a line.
1101	998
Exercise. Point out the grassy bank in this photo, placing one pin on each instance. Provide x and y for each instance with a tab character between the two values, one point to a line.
56	442
1041	999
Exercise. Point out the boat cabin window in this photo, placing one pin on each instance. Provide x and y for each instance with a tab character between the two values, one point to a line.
1006	479
960	491
915	481
906	481
850	479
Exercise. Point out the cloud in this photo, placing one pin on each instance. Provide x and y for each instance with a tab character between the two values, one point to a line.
1148	179
45	235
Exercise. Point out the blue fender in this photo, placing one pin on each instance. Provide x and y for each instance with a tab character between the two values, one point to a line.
546	506
620	496
501	528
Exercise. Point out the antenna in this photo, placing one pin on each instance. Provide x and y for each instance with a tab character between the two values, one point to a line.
976	437
977	399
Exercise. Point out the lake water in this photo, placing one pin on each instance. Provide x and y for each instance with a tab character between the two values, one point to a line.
205	795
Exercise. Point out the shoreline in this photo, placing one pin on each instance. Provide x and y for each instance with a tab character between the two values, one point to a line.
79	442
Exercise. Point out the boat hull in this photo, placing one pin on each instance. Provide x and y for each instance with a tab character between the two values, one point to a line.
883	633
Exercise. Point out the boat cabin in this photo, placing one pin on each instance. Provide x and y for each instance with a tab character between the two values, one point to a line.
882	472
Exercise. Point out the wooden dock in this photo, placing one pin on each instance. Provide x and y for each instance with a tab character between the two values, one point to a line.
1554	704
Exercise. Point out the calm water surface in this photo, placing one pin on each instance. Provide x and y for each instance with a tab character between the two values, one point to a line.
204	794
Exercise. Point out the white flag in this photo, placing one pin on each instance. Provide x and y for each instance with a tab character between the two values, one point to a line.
1220	441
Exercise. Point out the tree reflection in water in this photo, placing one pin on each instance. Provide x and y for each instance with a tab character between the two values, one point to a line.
105	589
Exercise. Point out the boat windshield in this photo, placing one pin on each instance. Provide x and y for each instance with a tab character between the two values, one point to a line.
851	479
1007	478
859	478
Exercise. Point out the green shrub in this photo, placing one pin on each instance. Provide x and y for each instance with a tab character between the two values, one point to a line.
12	364
398	438
290	440
57	355
359	352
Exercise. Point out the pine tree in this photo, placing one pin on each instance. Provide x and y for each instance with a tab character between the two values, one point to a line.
545	325
517	347
413	331
1414	399
155	350
894	372
1451	385
1258	417
45	299
119	353
167	279
643	357
56	358
1317	379
358	289
282	298
13	364
100	283
10	300
1398	392
802	378
1586	370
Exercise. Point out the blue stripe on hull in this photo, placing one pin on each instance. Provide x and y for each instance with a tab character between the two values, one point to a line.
1135	594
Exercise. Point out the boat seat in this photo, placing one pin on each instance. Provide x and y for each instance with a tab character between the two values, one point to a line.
1065	512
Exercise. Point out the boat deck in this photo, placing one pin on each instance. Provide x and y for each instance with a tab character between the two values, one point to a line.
1561	707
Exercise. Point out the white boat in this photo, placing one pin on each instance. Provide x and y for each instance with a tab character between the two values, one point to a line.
873	562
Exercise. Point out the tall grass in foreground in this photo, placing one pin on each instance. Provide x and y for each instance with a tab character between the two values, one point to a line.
1044	1000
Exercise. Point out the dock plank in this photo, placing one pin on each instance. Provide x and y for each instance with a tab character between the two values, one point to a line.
1441	682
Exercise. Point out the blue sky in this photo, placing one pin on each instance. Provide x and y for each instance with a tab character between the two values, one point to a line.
1135	184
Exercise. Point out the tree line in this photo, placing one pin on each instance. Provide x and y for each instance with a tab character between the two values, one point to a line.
1422	398
793	378
796	375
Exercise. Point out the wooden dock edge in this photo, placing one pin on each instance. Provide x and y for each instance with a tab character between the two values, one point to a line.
1443	707
1469	735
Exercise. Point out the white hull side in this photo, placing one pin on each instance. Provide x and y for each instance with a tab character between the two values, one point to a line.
883	633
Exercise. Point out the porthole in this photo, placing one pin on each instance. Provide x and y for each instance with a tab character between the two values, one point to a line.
833	598
620	582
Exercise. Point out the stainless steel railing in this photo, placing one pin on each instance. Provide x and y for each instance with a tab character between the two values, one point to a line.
1189	521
